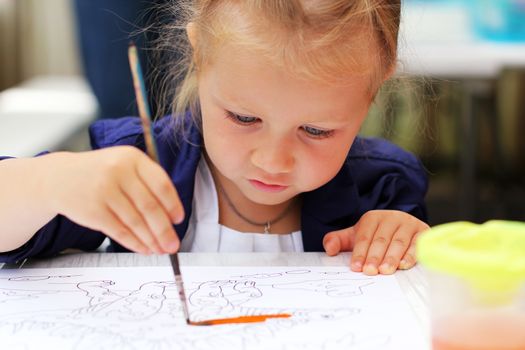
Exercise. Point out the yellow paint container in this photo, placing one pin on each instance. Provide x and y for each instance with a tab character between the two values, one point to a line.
476	279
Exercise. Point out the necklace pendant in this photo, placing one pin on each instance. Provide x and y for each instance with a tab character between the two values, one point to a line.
267	227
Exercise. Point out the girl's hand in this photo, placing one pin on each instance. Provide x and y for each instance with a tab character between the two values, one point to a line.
382	241
119	191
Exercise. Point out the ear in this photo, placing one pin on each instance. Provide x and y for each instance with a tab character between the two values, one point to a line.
190	32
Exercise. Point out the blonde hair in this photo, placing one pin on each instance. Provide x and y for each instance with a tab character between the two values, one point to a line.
314	39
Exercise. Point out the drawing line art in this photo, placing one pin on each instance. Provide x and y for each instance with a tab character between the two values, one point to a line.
109	314
12	295
35	278
275	274
225	297
331	287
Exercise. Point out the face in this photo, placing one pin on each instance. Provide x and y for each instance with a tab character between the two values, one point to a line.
272	135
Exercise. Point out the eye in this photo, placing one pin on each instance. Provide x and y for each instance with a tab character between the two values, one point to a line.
317	133
242	119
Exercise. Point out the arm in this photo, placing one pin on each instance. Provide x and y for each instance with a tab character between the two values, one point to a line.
24	204
118	191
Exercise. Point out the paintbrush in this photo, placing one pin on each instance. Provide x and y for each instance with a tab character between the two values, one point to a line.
151	149
142	102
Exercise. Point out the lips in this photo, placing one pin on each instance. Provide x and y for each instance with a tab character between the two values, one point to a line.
265	187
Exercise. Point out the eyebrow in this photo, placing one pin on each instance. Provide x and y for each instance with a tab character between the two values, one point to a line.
230	104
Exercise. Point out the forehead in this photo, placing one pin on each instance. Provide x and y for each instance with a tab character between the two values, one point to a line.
233	63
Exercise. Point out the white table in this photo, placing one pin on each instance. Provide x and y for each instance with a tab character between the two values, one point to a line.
43	114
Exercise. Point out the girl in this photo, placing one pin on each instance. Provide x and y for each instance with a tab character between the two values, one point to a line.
262	154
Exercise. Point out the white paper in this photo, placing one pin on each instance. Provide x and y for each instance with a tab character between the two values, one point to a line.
139	308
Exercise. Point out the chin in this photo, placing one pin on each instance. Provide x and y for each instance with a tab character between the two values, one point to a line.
269	198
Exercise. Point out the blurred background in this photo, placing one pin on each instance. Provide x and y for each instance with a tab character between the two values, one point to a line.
457	101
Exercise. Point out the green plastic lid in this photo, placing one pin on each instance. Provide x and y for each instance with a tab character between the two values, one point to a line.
491	256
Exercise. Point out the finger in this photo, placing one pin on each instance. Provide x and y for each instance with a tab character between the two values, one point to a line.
338	241
364	231
409	258
397	249
122	207
117	230
157	219
379	246
162	188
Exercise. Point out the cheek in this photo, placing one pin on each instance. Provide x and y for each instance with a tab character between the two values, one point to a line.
224	149
321	165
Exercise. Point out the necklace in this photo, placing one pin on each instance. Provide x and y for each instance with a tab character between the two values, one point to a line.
266	224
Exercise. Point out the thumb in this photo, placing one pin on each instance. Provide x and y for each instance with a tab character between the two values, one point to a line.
339	241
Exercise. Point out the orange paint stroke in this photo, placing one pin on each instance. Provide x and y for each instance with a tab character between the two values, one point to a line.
240	319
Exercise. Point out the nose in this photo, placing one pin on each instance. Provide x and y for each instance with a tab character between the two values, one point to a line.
274	156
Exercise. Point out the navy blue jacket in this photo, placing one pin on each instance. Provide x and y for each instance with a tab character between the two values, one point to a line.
376	175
